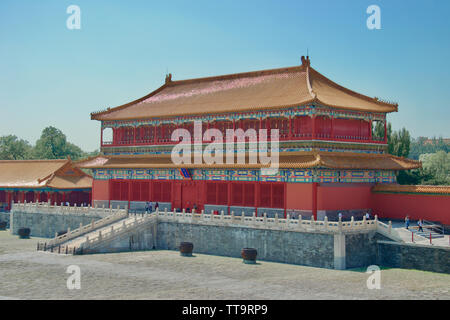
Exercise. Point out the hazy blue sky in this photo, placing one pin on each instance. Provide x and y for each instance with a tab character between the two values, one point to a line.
50	75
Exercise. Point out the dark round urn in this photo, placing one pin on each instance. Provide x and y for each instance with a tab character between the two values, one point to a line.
249	255
24	233
2	225
186	249
60	233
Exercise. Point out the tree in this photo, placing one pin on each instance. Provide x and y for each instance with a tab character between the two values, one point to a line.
399	143
53	145
437	165
13	148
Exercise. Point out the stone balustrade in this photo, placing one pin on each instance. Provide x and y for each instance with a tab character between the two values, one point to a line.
46	207
275	223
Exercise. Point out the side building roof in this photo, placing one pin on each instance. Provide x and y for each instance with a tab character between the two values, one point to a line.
35	174
249	91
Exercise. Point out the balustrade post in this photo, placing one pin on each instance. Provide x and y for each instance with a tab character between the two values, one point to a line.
390	227
325	222
340	224
376	222
265	218
242	217
299	221
276	218
221	215
364	222
254	217
352	220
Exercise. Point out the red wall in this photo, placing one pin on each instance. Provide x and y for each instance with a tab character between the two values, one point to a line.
346	197
417	206
299	196
100	190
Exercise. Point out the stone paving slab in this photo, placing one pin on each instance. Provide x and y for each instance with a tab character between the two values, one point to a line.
163	274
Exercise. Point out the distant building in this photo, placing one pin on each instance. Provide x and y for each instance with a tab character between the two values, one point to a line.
57	181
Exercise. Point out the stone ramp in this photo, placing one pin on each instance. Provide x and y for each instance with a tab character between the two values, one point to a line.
117	235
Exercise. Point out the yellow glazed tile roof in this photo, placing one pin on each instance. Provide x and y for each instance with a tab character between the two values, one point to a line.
250	91
58	174
334	160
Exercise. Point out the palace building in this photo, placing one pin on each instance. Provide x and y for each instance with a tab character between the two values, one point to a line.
330	156
54	181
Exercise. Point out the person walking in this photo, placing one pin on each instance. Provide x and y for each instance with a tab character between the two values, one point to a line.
420	224
407	222
367	216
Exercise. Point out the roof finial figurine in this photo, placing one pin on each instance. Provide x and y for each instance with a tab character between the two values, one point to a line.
168	78
305	61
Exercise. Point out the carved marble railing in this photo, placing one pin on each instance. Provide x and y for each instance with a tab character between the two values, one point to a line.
270	223
133	222
46	207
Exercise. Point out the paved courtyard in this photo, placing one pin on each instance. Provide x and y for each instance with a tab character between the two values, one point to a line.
28	274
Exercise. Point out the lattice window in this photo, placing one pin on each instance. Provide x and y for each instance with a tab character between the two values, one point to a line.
264	195
249	195
211	193
237	194
278	196
222	193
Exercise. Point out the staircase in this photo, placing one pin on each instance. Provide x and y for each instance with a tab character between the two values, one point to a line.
101	235
430	229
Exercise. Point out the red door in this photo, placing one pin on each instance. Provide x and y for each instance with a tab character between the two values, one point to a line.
189	195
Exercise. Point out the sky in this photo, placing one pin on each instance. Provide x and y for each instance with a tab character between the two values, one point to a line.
54	76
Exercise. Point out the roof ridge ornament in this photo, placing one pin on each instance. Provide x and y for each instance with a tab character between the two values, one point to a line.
168	78
305	61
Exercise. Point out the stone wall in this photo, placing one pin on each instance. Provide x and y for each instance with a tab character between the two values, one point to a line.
45	225
4	216
413	256
310	249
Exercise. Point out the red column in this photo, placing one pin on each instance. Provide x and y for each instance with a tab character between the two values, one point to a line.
314	200
134	135
64	198
385	132
370	130
9	196
37	197
290	128
313	126
332	127
101	136
155	137
21	196
129	193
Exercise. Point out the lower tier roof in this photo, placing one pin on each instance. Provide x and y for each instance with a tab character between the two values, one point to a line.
294	160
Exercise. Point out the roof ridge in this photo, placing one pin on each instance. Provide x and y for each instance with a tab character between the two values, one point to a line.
33	160
229	76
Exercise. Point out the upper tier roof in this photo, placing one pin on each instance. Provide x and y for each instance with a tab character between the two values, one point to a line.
35	174
266	89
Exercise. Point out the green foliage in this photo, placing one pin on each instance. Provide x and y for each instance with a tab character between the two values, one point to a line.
422	145
52	144
437	165
399	143
13	148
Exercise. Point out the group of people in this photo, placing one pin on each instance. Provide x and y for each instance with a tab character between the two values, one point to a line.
419	223
149	208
